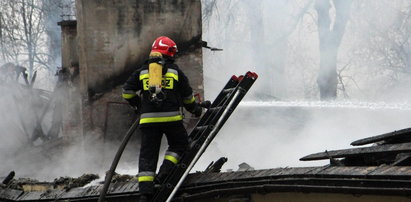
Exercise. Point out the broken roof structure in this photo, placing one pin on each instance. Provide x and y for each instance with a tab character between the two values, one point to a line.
379	172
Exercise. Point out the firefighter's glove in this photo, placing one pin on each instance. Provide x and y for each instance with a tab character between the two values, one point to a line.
205	104
134	102
197	111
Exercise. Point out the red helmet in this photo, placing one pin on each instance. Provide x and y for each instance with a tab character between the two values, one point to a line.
165	46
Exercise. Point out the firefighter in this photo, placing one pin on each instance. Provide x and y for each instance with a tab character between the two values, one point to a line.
159	90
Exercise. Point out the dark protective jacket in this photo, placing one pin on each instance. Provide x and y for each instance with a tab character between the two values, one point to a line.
176	88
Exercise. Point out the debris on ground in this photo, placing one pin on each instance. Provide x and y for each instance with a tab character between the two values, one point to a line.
62	183
67	183
122	178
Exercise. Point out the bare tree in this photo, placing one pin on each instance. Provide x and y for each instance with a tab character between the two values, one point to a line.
395	48
10	40
32	29
257	33
330	36
380	49
25	35
21	32
209	8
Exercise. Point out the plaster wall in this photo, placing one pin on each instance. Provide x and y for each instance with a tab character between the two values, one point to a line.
115	36
112	39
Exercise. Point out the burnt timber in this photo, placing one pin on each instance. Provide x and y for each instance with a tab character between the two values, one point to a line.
385	178
389	149
380	180
398	136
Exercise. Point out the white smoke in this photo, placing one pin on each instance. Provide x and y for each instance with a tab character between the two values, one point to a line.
21	109
282	119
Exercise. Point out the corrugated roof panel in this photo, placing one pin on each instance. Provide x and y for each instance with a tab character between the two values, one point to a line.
347	171
10	194
402	171
326	177
262	173
77	192
316	170
274	172
292	171
123	187
33	195
52	194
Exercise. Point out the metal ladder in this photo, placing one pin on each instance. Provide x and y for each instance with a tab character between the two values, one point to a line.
205	131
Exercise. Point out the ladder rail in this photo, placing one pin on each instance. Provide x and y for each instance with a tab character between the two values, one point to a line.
205	131
232	82
210	137
218	104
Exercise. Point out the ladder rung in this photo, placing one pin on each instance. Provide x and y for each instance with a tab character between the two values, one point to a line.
228	90
202	128
213	109
199	130
206	129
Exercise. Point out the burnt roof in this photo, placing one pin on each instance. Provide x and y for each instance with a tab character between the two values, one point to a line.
380	169
398	136
392	148
386	180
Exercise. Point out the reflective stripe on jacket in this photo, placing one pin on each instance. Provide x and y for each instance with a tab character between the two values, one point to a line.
160	117
175	86
146	176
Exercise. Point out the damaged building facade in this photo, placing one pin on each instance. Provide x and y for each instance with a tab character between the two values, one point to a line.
107	42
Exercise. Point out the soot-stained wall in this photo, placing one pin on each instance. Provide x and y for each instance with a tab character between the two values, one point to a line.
113	38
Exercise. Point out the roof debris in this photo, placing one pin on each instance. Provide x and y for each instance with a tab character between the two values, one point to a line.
380	169
392	148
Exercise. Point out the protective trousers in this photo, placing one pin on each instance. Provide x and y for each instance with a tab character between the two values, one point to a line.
177	139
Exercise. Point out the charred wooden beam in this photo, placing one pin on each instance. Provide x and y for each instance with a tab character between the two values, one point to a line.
398	136
9	177
374	150
402	159
215	167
